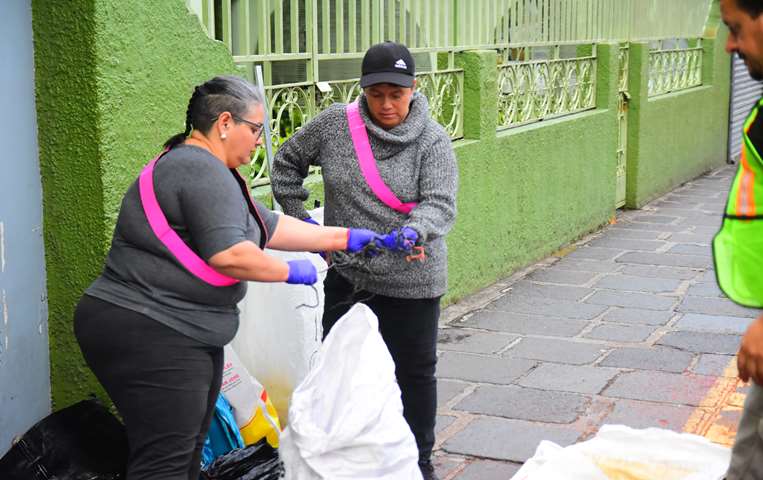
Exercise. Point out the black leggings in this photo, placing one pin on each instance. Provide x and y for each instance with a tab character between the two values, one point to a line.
163	383
409	329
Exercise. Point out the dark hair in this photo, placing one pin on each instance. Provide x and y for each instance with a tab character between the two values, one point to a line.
210	99
752	7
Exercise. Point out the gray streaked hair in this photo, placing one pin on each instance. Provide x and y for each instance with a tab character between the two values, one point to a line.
220	94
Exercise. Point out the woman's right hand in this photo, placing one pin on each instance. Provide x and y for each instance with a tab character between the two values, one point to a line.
358	238
302	272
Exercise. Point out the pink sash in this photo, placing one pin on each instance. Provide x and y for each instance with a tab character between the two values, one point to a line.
161	228
368	163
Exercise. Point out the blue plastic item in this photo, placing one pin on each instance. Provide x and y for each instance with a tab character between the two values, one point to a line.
223	435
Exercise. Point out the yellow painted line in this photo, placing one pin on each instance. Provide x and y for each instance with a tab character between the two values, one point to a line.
564	251
722	397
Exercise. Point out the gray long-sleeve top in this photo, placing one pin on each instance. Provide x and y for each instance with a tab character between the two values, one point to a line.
415	160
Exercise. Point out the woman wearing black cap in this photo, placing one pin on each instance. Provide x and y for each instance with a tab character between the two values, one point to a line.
405	183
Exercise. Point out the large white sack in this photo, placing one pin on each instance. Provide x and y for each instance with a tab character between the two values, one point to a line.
276	341
623	453
346	418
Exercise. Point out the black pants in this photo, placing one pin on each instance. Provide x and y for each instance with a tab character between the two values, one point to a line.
163	383
409	329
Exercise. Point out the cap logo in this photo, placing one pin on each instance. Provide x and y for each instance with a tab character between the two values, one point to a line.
401	64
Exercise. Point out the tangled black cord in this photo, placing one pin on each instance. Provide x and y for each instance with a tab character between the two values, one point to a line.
358	261
341	261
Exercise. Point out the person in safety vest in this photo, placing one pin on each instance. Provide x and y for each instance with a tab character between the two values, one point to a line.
387	166
738	246
188	236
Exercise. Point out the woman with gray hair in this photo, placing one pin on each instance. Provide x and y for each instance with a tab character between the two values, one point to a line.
188	236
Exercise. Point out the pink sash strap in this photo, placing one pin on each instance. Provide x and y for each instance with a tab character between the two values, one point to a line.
368	163
161	228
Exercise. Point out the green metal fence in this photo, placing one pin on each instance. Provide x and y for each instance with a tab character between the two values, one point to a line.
306	27
310	50
487	23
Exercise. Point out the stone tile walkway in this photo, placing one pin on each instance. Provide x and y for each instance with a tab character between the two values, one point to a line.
626	326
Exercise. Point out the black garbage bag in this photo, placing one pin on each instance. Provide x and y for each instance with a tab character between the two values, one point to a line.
256	462
81	442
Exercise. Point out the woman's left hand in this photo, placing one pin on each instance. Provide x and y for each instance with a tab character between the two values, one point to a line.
302	272
399	239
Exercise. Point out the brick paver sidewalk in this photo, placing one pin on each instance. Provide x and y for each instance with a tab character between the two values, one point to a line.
626	326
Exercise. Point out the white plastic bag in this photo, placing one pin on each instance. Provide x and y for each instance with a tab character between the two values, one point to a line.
277	339
346	418
623	453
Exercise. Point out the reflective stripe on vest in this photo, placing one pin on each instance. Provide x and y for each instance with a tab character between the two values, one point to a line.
738	246
367	162
747	186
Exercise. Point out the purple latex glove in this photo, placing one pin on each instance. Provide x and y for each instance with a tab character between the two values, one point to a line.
302	272
358	238
400	239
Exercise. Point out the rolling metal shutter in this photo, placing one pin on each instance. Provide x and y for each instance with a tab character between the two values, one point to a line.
744	93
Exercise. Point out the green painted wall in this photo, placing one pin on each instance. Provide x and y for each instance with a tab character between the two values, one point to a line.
113	80
68	128
527	191
674	138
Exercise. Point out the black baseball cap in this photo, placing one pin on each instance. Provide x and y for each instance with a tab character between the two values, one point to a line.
388	62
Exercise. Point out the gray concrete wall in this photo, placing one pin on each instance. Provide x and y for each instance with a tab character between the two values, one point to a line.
24	358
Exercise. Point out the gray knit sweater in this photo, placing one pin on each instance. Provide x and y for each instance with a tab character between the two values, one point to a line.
415	159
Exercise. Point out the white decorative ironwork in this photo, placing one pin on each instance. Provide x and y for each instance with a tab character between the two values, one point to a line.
622	126
343	92
445	92
530	91
674	70
292	106
623	61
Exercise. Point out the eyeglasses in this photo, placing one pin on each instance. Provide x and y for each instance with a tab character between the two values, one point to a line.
256	127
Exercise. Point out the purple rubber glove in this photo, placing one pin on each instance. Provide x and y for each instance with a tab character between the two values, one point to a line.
399	239
358	238
302	272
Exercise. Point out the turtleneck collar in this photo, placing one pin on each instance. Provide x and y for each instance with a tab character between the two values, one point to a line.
408	131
